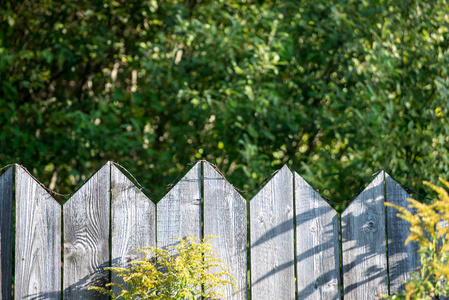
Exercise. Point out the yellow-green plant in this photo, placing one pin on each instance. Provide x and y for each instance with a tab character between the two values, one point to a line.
429	228
191	272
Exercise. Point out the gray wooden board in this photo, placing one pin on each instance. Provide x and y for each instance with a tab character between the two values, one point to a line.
272	245
317	245
225	216
179	211
86	237
6	230
402	259
133	222
440	241
38	241
364	244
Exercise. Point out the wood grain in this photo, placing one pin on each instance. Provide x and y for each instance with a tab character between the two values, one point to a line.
440	241
272	245
109	197
225	216
133	222
38	241
6	233
86	237
364	244
317	245
179	212
402	259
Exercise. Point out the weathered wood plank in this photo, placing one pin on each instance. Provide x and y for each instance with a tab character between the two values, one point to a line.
317	245
364	244
225	216
272	245
442	224
86	237
402	259
38	241
133	222
6	233
179	212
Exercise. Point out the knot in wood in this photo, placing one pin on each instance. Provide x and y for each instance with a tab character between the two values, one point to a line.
370	226
72	251
313	228
288	211
332	284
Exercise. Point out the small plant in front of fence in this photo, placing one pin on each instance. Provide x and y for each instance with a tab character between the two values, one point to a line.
429	228
191	272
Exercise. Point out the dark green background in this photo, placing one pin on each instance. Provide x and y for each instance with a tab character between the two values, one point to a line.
334	89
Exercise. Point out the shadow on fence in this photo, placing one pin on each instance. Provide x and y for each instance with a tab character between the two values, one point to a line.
313	238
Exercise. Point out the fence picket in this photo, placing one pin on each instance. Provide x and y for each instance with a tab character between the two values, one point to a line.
86	237
364	249
317	251
402	259
6	233
109	198
179	212
38	241
440	240
225	216
272	249
133	222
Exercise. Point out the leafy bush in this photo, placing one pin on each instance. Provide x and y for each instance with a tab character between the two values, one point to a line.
429	228
248	85
193	271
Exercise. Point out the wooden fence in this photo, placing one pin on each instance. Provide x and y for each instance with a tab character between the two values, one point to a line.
296	246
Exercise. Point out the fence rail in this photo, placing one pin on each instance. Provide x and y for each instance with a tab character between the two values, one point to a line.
296	246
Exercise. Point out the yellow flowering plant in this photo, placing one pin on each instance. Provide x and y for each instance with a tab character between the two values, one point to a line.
429	228
192	272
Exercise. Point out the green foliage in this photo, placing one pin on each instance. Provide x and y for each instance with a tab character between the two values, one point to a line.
334	89
191	272
429	228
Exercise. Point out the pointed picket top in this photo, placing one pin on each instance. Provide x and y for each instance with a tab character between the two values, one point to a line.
281	183
317	244
86	236
179	211
364	247
133	221
402	259
272	245
38	240
133	218
6	236
283	173
225	217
